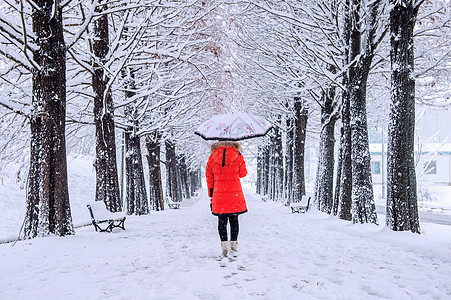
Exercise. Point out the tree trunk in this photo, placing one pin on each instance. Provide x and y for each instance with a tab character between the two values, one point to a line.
155	184
266	162
136	195
345	182
48	207
289	161
300	125
179	185
272	169
107	183
325	173
363	206
172	190
258	188
196	176
194	181
338	178
279	172
278	164
402	206
185	186
275	166
344	176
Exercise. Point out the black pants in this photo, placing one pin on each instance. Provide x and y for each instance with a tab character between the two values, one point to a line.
234	227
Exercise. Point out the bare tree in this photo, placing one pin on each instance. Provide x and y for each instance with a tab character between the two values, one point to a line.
136	195
402	207
155	183
42	51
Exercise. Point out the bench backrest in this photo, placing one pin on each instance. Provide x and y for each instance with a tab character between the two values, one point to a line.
90	212
98	211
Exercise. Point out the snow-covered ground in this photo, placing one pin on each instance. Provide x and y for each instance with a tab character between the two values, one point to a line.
81	179
174	254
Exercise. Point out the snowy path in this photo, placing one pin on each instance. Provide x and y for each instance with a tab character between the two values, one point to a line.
425	216
174	255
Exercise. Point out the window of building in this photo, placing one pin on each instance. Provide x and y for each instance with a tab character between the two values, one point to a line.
375	167
430	167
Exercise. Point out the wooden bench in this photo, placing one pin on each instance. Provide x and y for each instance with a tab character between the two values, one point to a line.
174	205
99	214
301	208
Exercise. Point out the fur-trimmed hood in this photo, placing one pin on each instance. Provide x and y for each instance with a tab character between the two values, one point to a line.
220	144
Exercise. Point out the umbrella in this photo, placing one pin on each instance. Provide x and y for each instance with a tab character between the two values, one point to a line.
233	127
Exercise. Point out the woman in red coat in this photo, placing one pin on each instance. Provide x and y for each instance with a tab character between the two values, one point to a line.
225	167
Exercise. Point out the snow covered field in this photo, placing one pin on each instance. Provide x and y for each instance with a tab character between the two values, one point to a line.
174	254
81	175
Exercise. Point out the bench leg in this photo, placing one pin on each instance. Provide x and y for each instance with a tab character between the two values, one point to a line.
110	226
95	225
98	228
120	224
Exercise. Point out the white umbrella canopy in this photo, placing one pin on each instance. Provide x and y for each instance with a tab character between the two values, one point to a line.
233	127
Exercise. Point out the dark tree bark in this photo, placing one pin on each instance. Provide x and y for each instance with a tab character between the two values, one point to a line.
183	171
337	184
275	166
364	209
107	183
278	164
343	193
289	161
196	178
271	170
195	181
263	179
155	184
199	178
48	208
345	181
363	206
179	186
136	196
172	184
266	163
402	206
325	173
300	125
259	170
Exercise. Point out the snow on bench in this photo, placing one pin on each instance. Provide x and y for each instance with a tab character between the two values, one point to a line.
99	214
297	208
174	205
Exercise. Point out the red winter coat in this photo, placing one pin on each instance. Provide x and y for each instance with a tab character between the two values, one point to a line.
225	167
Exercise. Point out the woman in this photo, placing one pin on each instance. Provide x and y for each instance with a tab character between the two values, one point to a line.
225	167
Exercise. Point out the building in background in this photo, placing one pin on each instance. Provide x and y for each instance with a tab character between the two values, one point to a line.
433	163
432	147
